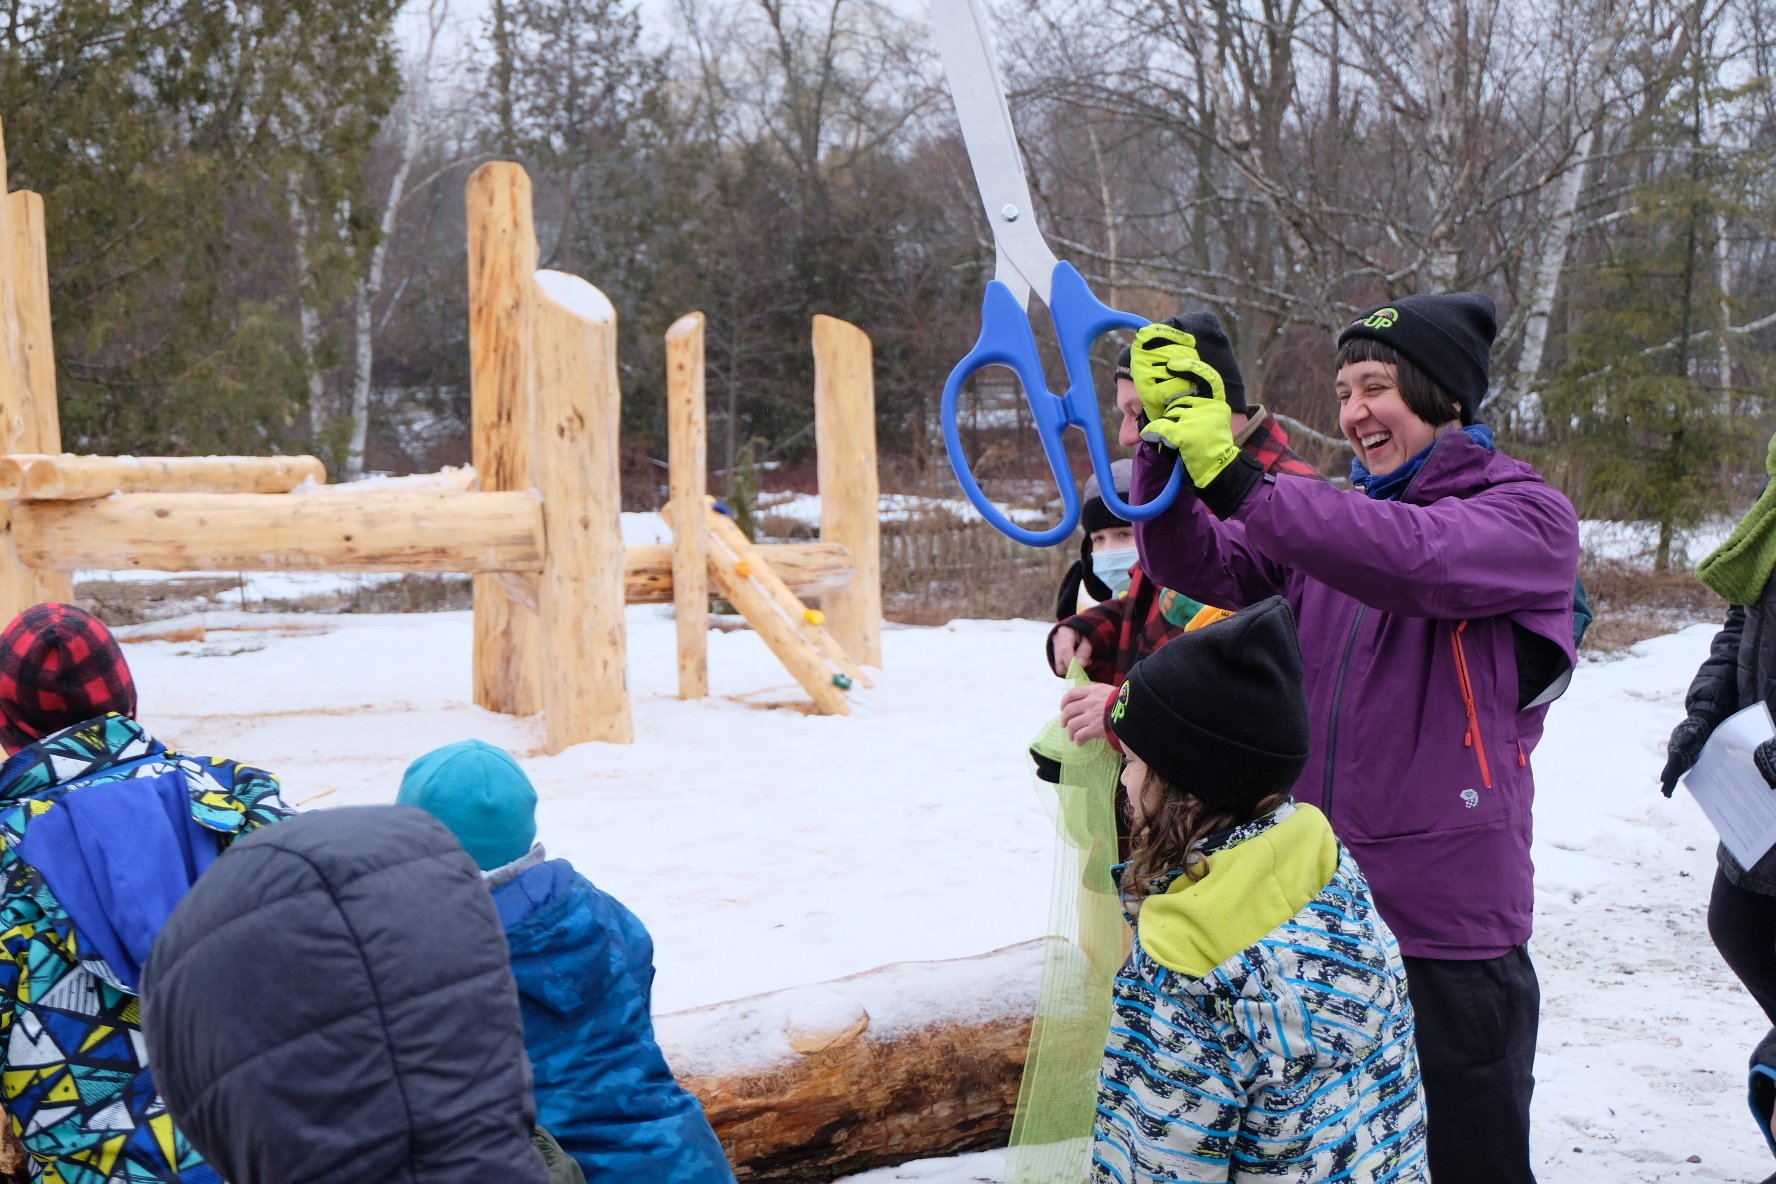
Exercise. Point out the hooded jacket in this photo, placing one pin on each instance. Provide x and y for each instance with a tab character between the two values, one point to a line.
103	830
584	965
371	1033
1262	1030
1740	670
1434	630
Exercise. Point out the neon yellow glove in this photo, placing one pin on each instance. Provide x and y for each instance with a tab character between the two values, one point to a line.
1202	432
1166	367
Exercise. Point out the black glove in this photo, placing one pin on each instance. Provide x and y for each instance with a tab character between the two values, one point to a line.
1765	757
1682	750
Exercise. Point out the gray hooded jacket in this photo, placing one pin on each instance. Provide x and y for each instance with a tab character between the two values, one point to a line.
332	1004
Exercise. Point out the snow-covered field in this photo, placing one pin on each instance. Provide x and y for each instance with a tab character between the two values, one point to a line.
766	848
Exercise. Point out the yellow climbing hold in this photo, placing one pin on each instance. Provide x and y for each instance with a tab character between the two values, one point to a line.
814	616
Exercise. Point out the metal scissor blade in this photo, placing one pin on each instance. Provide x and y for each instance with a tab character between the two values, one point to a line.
973	74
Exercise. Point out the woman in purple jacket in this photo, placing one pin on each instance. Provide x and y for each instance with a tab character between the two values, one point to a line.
1436	608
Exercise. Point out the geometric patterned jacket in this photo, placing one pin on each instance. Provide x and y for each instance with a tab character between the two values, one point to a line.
102	830
1262	1030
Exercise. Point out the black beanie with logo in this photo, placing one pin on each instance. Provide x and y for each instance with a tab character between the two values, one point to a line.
1448	335
1220	711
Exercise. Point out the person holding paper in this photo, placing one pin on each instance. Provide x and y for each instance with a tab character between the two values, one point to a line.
1740	670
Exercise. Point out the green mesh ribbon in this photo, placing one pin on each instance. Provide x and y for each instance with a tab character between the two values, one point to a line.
1051	1134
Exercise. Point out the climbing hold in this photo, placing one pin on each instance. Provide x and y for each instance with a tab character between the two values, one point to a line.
842	681
743	569
814	616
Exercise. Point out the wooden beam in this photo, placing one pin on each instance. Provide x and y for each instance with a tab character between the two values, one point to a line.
809	624
742	575
72	478
807	568
580	591
687	433
502	261
426	532
862	1072
845	445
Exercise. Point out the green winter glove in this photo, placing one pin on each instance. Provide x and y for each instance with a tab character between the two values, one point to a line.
1166	367
1202	432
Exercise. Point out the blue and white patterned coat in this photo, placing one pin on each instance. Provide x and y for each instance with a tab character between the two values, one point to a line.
1292	1058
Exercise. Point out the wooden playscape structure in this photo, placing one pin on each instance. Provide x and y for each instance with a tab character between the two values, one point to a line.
542	534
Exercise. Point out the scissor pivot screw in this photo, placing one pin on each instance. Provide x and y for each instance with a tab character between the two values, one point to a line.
1009	212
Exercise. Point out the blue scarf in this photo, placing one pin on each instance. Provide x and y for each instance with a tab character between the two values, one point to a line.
1389	486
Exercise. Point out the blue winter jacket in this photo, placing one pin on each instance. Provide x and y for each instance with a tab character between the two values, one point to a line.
585	971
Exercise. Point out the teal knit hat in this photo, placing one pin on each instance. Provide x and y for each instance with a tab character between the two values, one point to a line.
480	793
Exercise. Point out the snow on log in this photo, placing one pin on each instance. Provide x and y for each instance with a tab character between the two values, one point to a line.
904	1062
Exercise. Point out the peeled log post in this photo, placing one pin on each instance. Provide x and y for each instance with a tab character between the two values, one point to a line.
429	532
580	591
687	434
908	1061
73	478
502	261
845	444
30	258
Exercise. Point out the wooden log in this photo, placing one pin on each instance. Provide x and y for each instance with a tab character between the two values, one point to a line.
909	1061
807	568
472	532
580	591
741	575
29	420
73	478
845	443
687	433
808	624
502	262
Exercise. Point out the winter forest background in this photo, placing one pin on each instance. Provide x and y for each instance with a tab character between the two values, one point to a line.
257	240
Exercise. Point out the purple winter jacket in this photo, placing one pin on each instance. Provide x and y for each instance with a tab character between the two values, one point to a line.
1406	611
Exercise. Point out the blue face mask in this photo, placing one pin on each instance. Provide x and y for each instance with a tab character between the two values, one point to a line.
1113	567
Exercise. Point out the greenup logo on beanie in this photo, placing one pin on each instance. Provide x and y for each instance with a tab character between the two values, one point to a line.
1382	318
1122	704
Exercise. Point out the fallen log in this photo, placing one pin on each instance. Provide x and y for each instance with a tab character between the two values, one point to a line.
904	1062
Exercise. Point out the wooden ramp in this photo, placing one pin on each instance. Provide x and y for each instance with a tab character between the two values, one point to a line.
793	631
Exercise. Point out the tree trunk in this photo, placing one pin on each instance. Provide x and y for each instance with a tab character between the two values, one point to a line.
910	1061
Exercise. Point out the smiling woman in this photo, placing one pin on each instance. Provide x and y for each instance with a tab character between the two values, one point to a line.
1435	610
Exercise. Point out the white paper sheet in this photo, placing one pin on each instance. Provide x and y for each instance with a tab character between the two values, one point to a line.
1731	791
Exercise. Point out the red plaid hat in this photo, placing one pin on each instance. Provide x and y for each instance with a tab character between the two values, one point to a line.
59	666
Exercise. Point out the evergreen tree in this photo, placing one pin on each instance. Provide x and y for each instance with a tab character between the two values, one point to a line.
165	139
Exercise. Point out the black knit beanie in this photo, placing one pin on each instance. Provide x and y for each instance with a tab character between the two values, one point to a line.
1220	711
1125	362
1093	513
1448	335
1217	351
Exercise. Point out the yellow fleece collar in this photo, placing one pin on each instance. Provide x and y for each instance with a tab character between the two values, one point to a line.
1251	888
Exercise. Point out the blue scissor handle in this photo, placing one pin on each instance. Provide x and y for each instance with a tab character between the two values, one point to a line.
1080	318
1006	339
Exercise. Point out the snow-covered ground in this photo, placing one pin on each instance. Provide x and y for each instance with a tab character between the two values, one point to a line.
766	848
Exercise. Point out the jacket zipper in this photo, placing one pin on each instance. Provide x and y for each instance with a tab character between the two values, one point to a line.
1344	665
1337	698
1473	739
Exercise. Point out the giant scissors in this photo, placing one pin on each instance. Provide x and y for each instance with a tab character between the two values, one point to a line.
1025	267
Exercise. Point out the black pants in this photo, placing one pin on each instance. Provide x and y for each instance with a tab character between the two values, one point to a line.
1743	926
1476	1049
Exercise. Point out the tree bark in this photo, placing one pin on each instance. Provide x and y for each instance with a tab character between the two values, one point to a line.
904	1062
